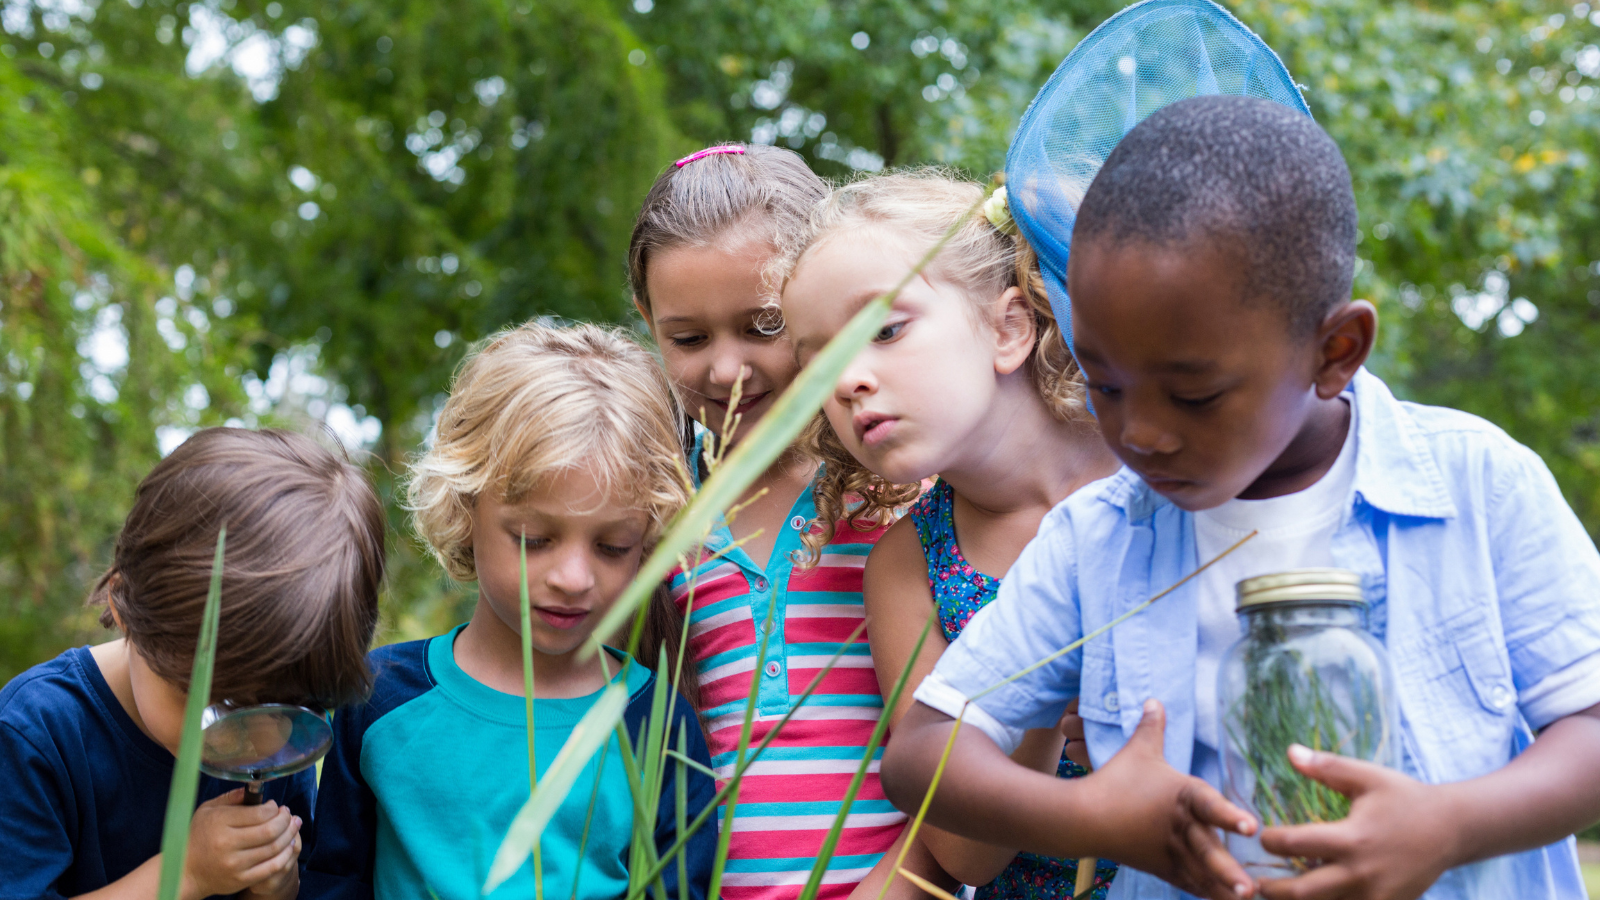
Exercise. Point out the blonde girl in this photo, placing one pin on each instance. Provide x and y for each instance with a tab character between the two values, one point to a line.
706	235
560	446
968	380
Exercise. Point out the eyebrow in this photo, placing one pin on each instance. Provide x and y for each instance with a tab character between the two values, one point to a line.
676	320
854	304
1177	366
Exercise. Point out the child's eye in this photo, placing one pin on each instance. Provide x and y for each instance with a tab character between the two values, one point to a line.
616	550
531	542
1105	389
1197	402
687	341
889	332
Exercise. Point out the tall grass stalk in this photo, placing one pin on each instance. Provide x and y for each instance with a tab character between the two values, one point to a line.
527	694
186	771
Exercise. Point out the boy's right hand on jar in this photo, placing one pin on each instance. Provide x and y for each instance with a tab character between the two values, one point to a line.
1164	822
233	847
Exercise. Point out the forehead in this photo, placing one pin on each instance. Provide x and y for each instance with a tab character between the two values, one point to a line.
1174	306
838	275
725	276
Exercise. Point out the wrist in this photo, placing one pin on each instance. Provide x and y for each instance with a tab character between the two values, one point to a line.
1453	815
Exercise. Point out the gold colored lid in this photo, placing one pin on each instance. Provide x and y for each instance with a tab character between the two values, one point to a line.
1301	586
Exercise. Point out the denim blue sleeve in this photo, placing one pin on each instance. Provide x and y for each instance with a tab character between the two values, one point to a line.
1547	572
1034	615
700	850
35	842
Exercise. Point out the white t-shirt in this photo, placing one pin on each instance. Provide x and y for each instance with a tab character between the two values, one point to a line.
1294	531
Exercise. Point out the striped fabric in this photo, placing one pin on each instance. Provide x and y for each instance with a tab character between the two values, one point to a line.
789	798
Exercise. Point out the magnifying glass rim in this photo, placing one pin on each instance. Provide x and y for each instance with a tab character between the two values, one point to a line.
218	711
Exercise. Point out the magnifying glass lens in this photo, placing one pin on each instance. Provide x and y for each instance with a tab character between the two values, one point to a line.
258	743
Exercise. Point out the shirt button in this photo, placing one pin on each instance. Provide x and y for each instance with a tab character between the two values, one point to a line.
1499	697
1112	703
797	523
761	584
773	669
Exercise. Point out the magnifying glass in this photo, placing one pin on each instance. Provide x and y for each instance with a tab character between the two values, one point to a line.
255	744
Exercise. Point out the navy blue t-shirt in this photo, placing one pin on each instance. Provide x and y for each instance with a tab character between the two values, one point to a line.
83	792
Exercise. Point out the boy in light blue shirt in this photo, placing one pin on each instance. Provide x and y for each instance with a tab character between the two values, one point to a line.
1210	279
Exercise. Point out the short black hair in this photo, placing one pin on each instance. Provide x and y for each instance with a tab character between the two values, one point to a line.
1241	170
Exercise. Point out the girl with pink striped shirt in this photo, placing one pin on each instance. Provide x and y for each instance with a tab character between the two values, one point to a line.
707	232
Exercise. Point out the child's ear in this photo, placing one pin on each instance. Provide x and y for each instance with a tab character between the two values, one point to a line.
1014	331
644	313
1344	341
111	600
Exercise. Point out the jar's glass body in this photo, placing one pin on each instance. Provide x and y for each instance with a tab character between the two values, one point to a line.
1305	672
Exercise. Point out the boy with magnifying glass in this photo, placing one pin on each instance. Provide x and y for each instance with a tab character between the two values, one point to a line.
87	740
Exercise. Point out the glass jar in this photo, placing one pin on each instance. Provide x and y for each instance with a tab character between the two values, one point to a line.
1305	672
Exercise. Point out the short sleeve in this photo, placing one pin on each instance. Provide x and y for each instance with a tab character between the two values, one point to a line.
338	859
35	842
1547	574
1033	616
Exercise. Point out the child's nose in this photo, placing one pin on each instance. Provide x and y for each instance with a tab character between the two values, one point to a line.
1146	437
729	369
856	380
571	573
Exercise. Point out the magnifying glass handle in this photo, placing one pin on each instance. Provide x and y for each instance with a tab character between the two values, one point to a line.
252	794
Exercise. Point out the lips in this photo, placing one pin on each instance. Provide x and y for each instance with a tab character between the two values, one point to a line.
873	428
561	617
746	403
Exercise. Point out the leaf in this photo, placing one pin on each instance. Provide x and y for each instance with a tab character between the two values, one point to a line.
186	772
586	739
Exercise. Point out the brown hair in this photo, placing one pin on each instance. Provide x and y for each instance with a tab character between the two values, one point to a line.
537	400
301	569
768	190
982	260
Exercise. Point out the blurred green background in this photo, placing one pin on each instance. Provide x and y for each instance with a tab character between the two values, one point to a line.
293	212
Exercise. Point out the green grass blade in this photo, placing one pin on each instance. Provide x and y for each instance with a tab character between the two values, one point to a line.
586	739
740	768
683	807
186	771
588	817
829	843
527	694
755	453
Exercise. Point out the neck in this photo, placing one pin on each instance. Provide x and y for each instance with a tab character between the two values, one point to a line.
491	653
1021	456
1309	456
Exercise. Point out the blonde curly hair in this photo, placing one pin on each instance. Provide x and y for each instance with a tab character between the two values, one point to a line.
537	400
921	204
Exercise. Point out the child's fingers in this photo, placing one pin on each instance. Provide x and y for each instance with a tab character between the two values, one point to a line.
1322	840
1218	864
274	832
234	797
277	864
237	816
1350	777
1207	805
1321	883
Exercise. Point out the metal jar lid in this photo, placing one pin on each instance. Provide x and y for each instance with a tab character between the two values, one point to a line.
1301	586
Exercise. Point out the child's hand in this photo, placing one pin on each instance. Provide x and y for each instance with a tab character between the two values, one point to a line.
233	847
1071	728
1393	846
1163	822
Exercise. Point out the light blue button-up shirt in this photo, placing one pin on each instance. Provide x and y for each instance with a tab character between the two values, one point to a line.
1481	582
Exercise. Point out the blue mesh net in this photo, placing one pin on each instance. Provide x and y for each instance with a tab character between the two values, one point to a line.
1139	60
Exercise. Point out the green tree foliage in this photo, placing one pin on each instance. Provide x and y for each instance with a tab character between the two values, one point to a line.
293	211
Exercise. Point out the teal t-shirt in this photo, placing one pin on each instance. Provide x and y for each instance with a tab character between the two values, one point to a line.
442	769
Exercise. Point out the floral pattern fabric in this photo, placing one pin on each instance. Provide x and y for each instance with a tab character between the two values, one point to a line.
959	591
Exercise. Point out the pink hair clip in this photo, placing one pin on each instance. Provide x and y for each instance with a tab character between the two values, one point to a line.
709	151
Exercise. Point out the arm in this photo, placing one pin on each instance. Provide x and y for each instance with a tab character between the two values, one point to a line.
1402	834
339	860
1146	814
899	603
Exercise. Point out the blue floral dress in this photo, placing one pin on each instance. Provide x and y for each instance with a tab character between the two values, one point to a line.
959	590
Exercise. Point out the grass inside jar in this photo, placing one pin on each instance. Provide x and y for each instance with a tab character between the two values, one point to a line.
1287	702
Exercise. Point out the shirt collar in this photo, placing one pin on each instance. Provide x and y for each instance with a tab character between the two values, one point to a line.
1395	470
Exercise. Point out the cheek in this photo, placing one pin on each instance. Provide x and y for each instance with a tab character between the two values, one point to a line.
775	363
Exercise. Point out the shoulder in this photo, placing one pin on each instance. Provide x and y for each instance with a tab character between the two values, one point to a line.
899	553
52	696
400	674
